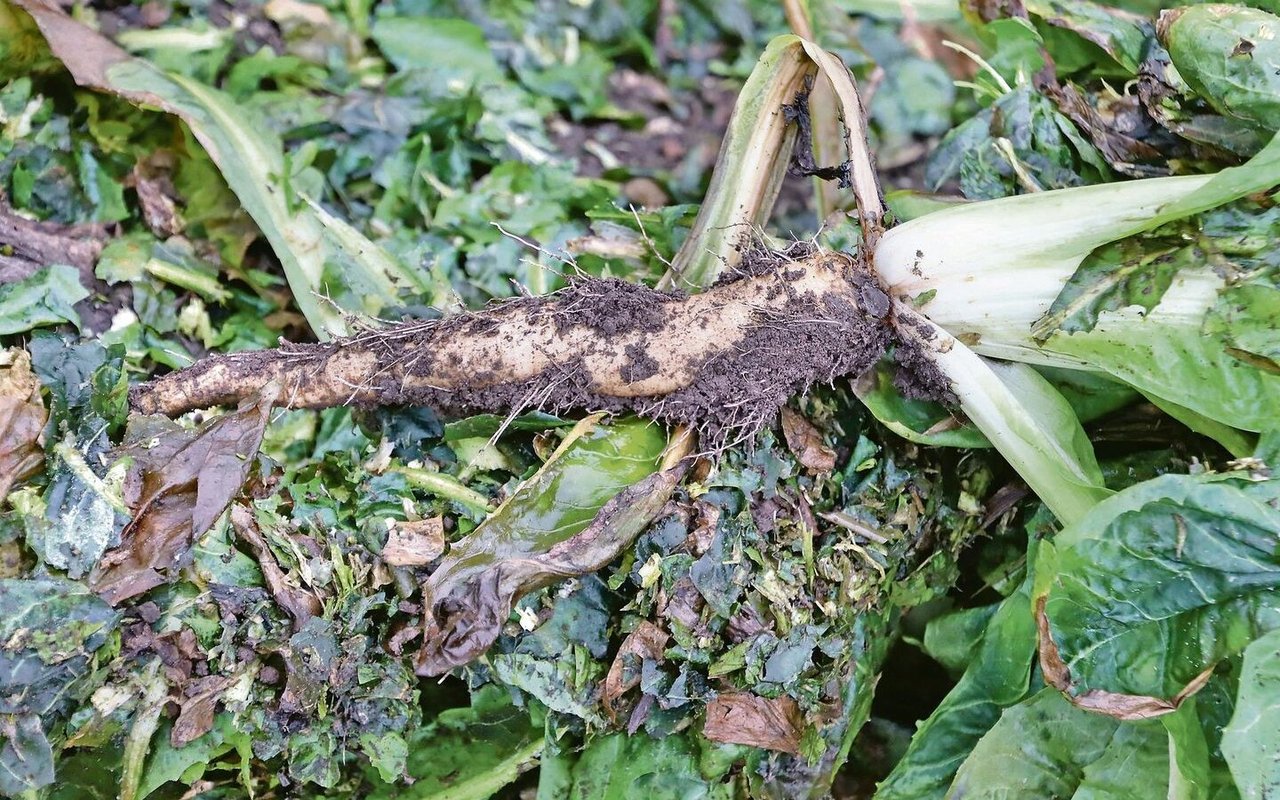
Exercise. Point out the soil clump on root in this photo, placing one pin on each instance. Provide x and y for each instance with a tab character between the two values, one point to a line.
722	362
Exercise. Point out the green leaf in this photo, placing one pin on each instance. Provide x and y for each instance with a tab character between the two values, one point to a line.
26	757
47	297
1024	418
1228	55
919	421
486	425
468	753
1046	747
955	638
50	629
1236	442
621	767
1189	769
1251	740
1163	581
1090	394
1121	36
1031	245
546	531
998	677
332	269
188	763
1132	272
1180	364
1247	317
452	46
1020	143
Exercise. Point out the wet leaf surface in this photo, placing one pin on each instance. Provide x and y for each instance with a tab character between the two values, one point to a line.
547	531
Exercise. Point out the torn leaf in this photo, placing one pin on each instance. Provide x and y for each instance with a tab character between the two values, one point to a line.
745	718
22	419
805	440
646	642
414	544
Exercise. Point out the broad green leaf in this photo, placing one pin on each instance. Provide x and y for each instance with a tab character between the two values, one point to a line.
87	774
1163	581
1251	740
1132	272
1236	442
50	628
332	269
26	757
486	425
1228	55
1031	246
1166	286
998	677
1189	768
453	47
1247	317
621	767
907	204
1090	394
468	753
46	298
955	638
1179	364
1120	35
1046	747
547	530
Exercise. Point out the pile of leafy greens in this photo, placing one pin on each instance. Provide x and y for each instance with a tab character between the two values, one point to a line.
1069	575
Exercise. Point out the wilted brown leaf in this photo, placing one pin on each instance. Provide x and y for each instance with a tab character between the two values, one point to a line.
154	186
176	489
30	245
806	443
1128	707
1122	151
646	642
86	56
22	419
745	718
195	714
297	602
414	544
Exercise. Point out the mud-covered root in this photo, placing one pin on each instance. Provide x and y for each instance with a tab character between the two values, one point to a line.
722	360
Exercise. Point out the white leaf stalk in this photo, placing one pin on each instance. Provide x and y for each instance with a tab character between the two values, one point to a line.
987	272
995	267
1025	418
